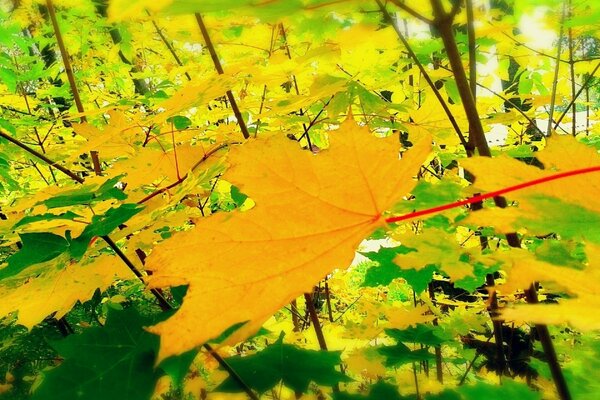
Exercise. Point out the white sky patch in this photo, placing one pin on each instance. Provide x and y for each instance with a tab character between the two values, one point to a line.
536	32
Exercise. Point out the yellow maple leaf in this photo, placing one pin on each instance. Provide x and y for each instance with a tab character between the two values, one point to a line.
579	311
311	213
57	290
568	206
562	153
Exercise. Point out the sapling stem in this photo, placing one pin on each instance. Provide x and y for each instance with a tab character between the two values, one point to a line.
219	68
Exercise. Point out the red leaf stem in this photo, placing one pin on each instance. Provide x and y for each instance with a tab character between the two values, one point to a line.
489	195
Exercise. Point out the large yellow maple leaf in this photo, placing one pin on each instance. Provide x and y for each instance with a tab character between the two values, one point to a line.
311	213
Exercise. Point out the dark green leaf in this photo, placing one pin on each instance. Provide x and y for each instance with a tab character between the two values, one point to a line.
115	361
400	354
423	334
296	367
86	195
237	196
378	391
102	225
177	366
180	122
387	270
37	248
46	217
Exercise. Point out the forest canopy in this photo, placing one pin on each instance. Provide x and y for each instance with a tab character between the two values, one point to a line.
328	199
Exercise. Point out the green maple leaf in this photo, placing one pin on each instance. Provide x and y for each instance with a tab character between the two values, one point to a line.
87	195
387	270
115	361
286	363
423	334
69	215
37	247
40	247
400	354
102	225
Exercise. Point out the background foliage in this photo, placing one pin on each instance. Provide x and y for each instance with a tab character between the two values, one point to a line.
184	186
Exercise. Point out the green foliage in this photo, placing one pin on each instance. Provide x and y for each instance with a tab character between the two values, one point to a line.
161	121
387	270
380	390
120	351
422	334
296	368
36	248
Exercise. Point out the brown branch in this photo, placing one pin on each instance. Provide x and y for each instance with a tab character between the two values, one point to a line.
169	46
164	304
410	11
41	157
219	68
472	48
581	89
541	53
552	359
572	72
184	177
556	68
65	57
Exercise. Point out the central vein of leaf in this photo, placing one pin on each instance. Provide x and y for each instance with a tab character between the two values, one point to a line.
481	197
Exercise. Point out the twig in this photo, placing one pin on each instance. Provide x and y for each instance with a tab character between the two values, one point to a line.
169	46
164	304
412	12
65	57
41	157
425	75
556	68
462	380
184	177
219	68
547	345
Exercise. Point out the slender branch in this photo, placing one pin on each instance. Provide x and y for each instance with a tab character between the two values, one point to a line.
219	68
65	57
538	52
96	162
497	324
556	68
169	46
472	48
295	81
264	93
314	318
425	75
41	156
15	110
477	353
164	304
552	359
410	11
184	177
572	72
328	301
472	55
438	349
